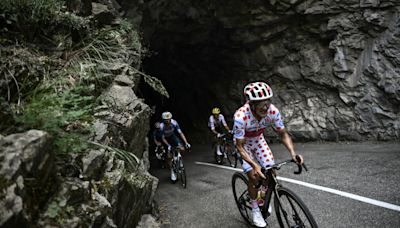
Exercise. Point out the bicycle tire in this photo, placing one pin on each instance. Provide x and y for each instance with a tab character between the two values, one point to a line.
234	159
241	195
235	155
182	173
219	158
290	204
226	154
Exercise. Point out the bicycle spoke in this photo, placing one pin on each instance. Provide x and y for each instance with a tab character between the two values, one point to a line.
294	212
239	187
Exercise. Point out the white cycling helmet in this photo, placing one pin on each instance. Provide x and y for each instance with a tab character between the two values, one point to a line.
166	116
257	91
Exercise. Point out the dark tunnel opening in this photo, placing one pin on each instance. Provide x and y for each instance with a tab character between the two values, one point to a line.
191	75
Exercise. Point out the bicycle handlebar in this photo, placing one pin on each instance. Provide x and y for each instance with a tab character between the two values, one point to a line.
227	137
280	164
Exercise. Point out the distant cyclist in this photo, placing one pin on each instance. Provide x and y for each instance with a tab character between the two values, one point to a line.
157	138
250	121
215	123
157	134
170	128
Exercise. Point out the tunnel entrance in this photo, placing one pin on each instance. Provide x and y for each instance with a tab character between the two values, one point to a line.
191	79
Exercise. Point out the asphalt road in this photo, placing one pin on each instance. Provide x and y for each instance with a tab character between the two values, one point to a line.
366	169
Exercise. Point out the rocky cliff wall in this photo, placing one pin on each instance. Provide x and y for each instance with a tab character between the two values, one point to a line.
98	188
88	164
333	65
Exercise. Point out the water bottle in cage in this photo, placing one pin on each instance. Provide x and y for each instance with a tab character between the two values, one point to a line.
261	195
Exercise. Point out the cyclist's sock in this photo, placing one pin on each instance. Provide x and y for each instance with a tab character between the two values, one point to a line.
254	203
219	150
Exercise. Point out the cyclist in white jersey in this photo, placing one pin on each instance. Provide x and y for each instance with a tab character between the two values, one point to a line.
169	128
250	121
215	123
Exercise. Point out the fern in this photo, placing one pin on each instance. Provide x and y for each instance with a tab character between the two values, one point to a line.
66	115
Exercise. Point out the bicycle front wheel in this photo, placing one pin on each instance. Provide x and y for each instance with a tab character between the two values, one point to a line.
291	211
242	198
234	157
181	172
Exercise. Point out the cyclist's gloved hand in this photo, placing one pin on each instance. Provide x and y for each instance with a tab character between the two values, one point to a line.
219	135
298	159
169	147
231	132
187	146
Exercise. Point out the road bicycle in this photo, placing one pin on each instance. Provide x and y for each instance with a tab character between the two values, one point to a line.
228	151
290	210
178	167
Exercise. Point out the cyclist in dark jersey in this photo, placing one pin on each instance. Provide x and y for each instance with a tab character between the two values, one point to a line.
157	134
170	128
157	138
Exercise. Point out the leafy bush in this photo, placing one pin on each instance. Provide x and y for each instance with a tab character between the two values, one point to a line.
51	80
36	20
66	115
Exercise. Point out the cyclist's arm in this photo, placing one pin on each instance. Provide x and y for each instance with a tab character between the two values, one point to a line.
158	143
224	123
180	132
287	141
183	137
279	127
165	141
214	131
247	158
227	128
211	125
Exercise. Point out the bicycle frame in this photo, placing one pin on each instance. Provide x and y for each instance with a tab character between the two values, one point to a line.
177	164
289	208
274	185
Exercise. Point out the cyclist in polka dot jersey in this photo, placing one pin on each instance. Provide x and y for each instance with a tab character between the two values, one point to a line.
247	126
250	121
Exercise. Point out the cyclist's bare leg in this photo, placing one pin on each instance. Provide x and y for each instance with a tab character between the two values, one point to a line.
250	185
169	159
218	143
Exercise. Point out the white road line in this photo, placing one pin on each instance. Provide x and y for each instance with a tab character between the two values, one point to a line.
325	189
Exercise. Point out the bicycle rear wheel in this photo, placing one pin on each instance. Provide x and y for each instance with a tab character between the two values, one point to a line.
181	172
227	153
242	198
291	211
233	158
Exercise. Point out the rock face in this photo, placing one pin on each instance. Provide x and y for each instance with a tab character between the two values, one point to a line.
333	65
96	189
27	166
106	186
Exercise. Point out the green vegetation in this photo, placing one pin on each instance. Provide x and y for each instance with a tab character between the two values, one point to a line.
55	64
58	210
129	158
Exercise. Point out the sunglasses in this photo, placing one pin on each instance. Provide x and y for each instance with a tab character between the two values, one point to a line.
263	104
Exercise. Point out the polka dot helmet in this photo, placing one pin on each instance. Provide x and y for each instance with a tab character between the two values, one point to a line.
257	91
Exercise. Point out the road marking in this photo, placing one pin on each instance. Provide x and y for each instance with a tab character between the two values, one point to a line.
325	189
